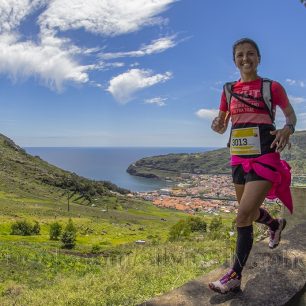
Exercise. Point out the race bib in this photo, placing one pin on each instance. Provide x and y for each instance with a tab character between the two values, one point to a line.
245	141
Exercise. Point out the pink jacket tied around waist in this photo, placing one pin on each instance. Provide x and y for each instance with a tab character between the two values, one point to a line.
281	178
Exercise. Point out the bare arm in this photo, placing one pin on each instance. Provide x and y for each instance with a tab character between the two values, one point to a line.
282	135
220	123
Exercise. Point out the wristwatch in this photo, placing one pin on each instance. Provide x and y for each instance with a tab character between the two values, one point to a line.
291	127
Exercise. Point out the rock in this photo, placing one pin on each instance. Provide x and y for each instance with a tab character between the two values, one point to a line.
140	241
270	278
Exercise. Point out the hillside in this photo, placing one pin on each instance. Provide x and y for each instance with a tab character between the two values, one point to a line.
212	162
32	188
27	175
34	270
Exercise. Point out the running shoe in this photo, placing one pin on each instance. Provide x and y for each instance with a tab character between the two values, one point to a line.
230	282
275	236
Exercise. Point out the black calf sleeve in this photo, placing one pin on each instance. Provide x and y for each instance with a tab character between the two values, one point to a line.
243	247
267	219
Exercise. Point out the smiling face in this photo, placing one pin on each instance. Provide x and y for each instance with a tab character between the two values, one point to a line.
247	59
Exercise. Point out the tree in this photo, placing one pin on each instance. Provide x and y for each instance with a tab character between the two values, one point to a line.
197	224
303	2
25	228
215	223
179	230
69	235
183	228
36	228
55	231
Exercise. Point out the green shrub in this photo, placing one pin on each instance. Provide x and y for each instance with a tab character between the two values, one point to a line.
69	235
183	228
25	228
220	234
55	231
154	239
96	249
197	224
179	230
215	223
36	228
118	207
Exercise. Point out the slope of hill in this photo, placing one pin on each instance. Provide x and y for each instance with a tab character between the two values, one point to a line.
26	175
34	189
212	162
34	269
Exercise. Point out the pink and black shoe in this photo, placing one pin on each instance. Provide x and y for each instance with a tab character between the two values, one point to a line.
275	236
230	282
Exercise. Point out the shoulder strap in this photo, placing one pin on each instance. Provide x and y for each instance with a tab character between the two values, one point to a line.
228	93
267	96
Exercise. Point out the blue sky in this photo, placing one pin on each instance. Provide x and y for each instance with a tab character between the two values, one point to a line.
137	73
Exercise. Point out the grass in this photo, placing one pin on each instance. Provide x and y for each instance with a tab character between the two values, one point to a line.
37	271
38	276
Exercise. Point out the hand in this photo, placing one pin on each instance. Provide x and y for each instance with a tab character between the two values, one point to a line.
218	125
281	139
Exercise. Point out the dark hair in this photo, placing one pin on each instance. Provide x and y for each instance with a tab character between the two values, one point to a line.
245	41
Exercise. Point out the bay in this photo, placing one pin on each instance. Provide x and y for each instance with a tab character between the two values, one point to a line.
108	163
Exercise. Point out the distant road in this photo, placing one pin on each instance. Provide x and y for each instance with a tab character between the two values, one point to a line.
217	198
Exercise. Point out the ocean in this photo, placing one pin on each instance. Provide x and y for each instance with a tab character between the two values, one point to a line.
108	163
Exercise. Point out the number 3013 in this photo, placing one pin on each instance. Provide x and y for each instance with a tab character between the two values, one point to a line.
239	142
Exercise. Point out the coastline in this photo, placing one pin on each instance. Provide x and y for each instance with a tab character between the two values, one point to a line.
109	163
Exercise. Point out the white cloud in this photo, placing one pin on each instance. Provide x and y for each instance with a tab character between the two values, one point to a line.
115	64
105	65
12	12
157	46
290	81
51	60
296	100
50	64
158	101
296	82
134	65
217	89
54	60
125	85
207	113
106	17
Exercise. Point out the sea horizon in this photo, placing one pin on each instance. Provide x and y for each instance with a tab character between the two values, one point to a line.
125	147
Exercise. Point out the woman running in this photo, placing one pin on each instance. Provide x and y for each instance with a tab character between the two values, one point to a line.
254	145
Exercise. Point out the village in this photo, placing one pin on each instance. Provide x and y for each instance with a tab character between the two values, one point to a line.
196	193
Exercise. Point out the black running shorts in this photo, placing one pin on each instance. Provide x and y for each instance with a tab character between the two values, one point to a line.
240	177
